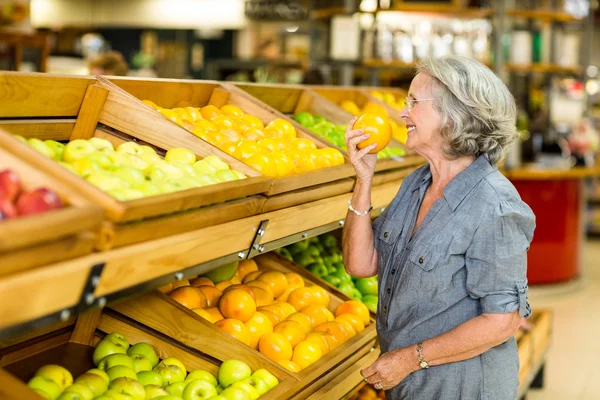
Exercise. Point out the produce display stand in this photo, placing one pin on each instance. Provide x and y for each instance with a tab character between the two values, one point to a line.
167	93
533	347
319	100
30	241
98	115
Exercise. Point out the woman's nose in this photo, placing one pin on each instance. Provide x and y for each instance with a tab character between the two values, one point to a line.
404	112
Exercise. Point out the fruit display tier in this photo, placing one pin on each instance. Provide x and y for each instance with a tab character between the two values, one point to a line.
171	94
153	263
294	99
41	220
74	346
170	317
166	213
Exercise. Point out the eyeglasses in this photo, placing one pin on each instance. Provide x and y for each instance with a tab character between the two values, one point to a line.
410	103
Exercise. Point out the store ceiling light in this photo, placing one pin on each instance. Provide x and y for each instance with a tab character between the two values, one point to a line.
592	87
591	71
292	29
368	5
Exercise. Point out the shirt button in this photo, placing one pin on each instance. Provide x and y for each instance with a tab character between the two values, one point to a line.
388	290
421	260
385	234
393	271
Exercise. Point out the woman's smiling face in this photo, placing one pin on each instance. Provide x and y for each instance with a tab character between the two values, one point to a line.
424	122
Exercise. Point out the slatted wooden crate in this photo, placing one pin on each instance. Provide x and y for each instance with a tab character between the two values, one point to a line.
159	312
182	93
292	99
30	241
71	345
65	108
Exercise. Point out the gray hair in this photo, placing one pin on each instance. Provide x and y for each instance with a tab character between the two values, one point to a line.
478	111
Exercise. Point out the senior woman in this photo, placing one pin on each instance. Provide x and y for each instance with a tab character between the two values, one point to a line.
450	249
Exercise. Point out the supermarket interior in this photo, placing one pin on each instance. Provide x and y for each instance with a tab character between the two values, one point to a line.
184	199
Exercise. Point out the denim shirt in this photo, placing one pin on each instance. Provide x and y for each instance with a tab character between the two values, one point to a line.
468	257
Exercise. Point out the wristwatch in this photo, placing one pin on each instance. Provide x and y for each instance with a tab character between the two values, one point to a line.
421	358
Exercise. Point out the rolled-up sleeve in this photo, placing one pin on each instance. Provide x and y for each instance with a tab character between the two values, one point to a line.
496	260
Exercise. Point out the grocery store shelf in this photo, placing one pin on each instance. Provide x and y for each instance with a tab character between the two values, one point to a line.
142	267
388	64
432	10
544	68
325	13
543	15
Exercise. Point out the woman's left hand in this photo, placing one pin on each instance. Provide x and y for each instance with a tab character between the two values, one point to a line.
389	370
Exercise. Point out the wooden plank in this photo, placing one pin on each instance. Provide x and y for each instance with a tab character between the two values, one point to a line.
309	194
531	173
13	389
157	311
41	95
22	353
67	248
110	322
544	68
543	15
36	334
118	235
83	332
55	129
89	114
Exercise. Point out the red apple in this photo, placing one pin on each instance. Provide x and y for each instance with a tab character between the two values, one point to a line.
10	185
7	209
38	201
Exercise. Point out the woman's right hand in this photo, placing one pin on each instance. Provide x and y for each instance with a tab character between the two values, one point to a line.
363	162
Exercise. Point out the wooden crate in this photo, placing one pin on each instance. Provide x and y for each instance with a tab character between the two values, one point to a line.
72	347
169	93
533	345
30	241
159	312
97	114
318	100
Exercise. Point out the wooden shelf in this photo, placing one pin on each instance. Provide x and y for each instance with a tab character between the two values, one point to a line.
543	15
432	10
388	64
325	13
544	68
135	268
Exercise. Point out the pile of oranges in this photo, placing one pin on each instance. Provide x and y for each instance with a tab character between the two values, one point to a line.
273	150
274	313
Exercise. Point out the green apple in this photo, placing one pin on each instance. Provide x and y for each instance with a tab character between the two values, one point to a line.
56	147
102	145
95	382
251	390
180	154
71	396
239	174
77	149
205	180
170	373
130	148
259	385
232	371
45	385
173	361
349	290
187	169
183	183
217	163
41	147
176	389
203	167
106	347
219	389
149	156
343	276
265	376
332	280
168	397
136	162
125	194
130	387
141	363
82	390
57	373
121	371
21	138
115	359
367	286
67	166
118	159
199	390
226	175
154	391
371	302
106	182
129	175
102	374
166	187
234	393
146	350
114	395
148	189
318	269
202	375
150	378
162	171
85	167
100	158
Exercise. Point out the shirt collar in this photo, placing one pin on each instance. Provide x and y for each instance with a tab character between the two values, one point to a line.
464	182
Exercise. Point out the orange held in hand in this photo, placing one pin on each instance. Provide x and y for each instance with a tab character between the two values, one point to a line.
379	129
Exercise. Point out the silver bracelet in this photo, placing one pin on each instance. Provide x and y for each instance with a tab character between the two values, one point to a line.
359	213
